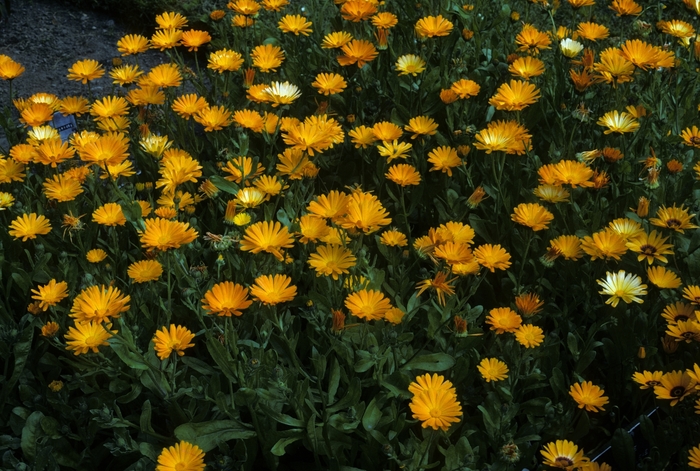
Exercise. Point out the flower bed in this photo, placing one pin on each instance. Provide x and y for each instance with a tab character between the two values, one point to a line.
360	236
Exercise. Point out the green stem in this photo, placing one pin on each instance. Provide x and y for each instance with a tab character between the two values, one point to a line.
531	234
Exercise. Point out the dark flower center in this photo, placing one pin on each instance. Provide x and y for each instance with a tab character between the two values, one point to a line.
648	249
681	317
678	391
653	383
563	460
672	222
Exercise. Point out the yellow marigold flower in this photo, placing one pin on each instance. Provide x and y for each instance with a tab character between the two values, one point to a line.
124	75
368	304
663	278
36	114
563	454
515	96
384	20
49	329
552	193
410	64
618	122
281	93
581	3
213	118
529	336
492	257
626	7
622	286
394	150
225	60
109	107
687	331
165	75
336	40
52	152
316	134
403	175
393	238
650	247
267	236
145	271
312	228
296	24
11	171
95	255
226	299
365	212
436	408
504	136
503	319
162	234
166	39
442	286
477	196
193	39
647	379
28	226
6	200
331	260
183	456
329	84
531	40
448	96
358	10
176	170
273	289
570	48
170	20
62	188
588	396
9	69
421	126
528	304
387	131
592	31
109	214
99	304
694	453
674	218
274	5
675	386
493	369
532	215
645	55
177	338
88	336
186	106
433	26
444	158
362	136
692	293
527	67
267	57
604	244
691	136
50	294
132	44
357	51
331	206
465	89
85	71
678	311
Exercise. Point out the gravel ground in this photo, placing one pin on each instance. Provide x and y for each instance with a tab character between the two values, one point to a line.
47	37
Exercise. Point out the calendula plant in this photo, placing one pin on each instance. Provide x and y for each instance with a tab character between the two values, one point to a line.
360	235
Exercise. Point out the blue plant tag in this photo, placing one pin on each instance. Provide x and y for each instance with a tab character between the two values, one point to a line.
65	125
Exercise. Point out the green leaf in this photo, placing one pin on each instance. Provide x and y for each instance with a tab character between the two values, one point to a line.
20	351
31	433
131	358
208	435
623	448
278	448
224	185
432	362
333	381
371	416
222	358
145	419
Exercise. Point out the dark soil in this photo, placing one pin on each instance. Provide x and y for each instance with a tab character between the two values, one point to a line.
47	37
